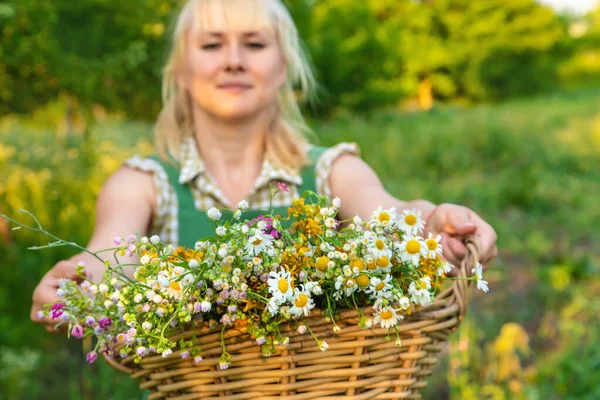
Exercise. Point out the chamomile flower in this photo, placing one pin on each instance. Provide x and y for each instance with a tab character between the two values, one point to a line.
378	246
383	217
419	293
302	303
387	317
433	245
258	242
444	268
344	284
280	285
380	288
412	248
410	221
478	272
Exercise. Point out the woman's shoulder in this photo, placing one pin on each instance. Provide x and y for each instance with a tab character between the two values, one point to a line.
135	175
324	159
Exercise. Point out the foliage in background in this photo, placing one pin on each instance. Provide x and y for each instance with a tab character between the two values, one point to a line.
528	167
366	54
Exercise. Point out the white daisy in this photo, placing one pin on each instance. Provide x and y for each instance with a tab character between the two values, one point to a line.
404	303
378	246
420	294
387	316
481	284
380	288
383	217
433	246
344	285
302	303
280	285
258	242
411	222
444	268
412	248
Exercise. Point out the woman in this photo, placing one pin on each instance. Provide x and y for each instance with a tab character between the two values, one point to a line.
229	128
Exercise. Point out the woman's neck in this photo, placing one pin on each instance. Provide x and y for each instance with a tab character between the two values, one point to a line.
232	152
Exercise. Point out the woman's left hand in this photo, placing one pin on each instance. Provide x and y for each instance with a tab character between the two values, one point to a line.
454	223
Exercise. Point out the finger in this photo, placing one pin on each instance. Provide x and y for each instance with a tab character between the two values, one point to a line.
458	222
456	247
65	269
448	252
487	238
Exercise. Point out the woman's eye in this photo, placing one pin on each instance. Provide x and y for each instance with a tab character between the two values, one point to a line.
211	46
256	45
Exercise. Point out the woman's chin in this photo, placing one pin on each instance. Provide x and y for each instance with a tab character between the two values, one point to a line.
237	113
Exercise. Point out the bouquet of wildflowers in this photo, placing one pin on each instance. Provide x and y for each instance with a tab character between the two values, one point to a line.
257	274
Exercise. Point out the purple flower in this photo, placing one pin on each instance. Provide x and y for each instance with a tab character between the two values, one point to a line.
224	294
226	319
40	315
131	239
185	354
77	331
104	323
301	276
141	351
243	296
91	356
57	310
282	186
261	340
197	307
220	301
231	309
117	241
198	359
131	250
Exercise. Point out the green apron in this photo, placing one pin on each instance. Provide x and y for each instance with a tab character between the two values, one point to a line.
195	225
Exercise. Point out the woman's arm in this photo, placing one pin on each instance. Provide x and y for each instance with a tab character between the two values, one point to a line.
361	192
125	206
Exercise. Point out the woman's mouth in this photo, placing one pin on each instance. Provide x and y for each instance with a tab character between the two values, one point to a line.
234	87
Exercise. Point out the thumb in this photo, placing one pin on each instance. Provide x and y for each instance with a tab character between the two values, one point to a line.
458	223
65	269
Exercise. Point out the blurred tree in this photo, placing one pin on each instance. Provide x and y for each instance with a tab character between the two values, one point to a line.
61	46
366	54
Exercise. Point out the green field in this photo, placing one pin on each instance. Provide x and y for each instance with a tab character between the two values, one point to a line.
530	167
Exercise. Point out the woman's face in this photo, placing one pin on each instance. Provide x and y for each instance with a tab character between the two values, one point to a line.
233	75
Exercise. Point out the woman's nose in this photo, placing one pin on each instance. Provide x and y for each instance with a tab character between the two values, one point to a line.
235	57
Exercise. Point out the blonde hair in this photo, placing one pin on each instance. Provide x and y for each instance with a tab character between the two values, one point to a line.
288	132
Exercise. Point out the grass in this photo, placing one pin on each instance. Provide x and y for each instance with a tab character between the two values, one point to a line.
529	167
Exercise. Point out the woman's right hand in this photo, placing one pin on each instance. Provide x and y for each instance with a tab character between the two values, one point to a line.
125	205
45	293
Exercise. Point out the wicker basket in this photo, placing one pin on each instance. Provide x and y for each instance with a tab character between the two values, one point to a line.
360	364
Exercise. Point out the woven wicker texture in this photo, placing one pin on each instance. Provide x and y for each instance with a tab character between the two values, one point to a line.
360	364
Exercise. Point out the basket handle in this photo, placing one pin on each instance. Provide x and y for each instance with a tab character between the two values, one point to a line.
472	254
